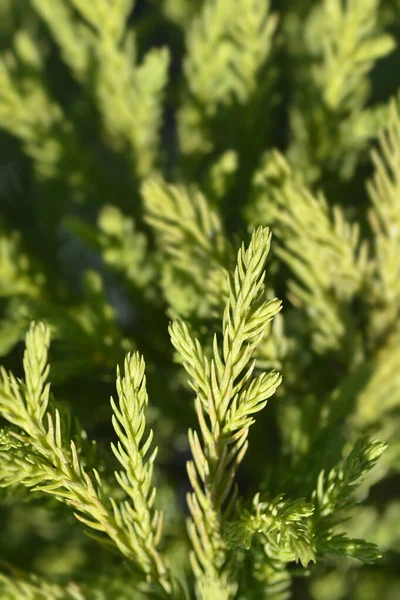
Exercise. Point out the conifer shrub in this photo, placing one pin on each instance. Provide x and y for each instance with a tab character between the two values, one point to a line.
200	298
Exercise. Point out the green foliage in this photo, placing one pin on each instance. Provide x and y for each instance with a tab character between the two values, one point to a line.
281	527
318	245
227	396
168	169
384	190
128	94
41	459
186	227
225	67
341	41
28	112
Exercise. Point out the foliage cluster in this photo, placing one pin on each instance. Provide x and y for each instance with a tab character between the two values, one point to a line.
208	197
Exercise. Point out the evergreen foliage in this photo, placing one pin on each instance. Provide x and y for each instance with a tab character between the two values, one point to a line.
206	194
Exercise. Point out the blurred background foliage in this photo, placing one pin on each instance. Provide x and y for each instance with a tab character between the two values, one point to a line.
140	143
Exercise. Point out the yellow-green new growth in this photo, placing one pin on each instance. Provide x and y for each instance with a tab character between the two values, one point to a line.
226	52
283	527
384	190
321	248
226	49
227	397
349	42
193	247
129	95
28	112
19	275
137	515
14	588
38	457
335	47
